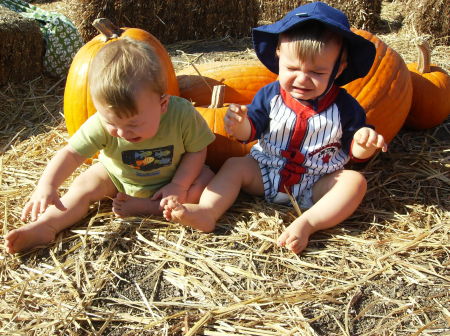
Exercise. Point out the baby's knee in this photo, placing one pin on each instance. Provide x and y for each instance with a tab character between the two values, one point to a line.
358	181
239	163
87	188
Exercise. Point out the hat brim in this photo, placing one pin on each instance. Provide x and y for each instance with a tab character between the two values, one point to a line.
360	52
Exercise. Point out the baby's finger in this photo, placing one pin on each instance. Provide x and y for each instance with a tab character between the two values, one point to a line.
234	117
42	206
360	138
380	143
234	108
59	205
26	211
35	211
156	195
242	113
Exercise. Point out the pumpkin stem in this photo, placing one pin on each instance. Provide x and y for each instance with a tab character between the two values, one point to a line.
423	63
218	96
107	28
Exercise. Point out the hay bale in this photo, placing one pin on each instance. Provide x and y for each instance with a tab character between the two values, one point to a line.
21	54
429	17
363	14
168	20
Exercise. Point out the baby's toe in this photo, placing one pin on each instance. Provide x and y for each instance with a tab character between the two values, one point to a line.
167	213
281	241
297	246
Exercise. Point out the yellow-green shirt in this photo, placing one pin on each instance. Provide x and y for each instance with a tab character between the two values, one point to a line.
140	169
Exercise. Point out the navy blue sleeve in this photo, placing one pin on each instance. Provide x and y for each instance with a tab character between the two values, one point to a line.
353	117
259	109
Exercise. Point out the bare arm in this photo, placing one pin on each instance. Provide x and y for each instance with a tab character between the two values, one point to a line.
190	166
188	170
60	167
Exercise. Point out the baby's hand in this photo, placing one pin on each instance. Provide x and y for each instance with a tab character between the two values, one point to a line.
234	116
370	139
171	191
39	201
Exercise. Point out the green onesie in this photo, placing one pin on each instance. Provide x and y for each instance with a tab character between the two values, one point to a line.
140	169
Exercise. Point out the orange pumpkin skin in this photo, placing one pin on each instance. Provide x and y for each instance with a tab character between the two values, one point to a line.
386	91
242	79
431	93
78	106
223	146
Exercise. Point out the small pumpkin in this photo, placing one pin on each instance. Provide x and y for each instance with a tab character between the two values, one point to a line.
78	104
386	91
431	92
242	79
223	146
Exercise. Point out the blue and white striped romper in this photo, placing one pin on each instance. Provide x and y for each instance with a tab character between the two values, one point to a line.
298	145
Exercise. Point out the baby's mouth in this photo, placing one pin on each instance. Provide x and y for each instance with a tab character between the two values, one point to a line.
136	139
300	89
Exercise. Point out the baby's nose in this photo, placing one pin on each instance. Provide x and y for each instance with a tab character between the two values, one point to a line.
121	132
301	77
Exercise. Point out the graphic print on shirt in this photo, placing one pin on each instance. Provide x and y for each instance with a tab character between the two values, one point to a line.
325	153
148	159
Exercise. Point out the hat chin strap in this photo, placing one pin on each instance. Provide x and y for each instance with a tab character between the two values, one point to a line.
315	102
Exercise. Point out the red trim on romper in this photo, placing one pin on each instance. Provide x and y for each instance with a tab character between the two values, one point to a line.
252	131
292	170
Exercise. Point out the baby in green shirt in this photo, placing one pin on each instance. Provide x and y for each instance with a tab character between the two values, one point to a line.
152	149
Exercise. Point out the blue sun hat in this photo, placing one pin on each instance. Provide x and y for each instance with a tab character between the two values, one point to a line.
360	52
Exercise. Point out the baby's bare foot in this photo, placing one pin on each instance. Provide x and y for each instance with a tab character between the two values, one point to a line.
127	206
29	236
296	236
189	215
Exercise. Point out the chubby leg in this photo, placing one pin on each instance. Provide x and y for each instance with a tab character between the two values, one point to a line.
126	206
237	173
336	196
200	183
90	186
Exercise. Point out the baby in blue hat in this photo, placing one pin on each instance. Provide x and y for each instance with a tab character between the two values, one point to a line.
307	128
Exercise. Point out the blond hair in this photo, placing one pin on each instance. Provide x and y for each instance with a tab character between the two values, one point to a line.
309	40
120	69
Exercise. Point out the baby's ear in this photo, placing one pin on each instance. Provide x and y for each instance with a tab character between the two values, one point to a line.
164	102
343	62
342	67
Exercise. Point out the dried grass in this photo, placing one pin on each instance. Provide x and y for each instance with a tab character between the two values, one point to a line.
429	17
384	271
169	21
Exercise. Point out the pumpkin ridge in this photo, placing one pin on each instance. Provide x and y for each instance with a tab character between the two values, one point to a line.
382	72
385	93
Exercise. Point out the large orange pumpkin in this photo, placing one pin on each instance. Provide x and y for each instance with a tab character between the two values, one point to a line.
431	92
242	79
223	146
386	91
78	104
